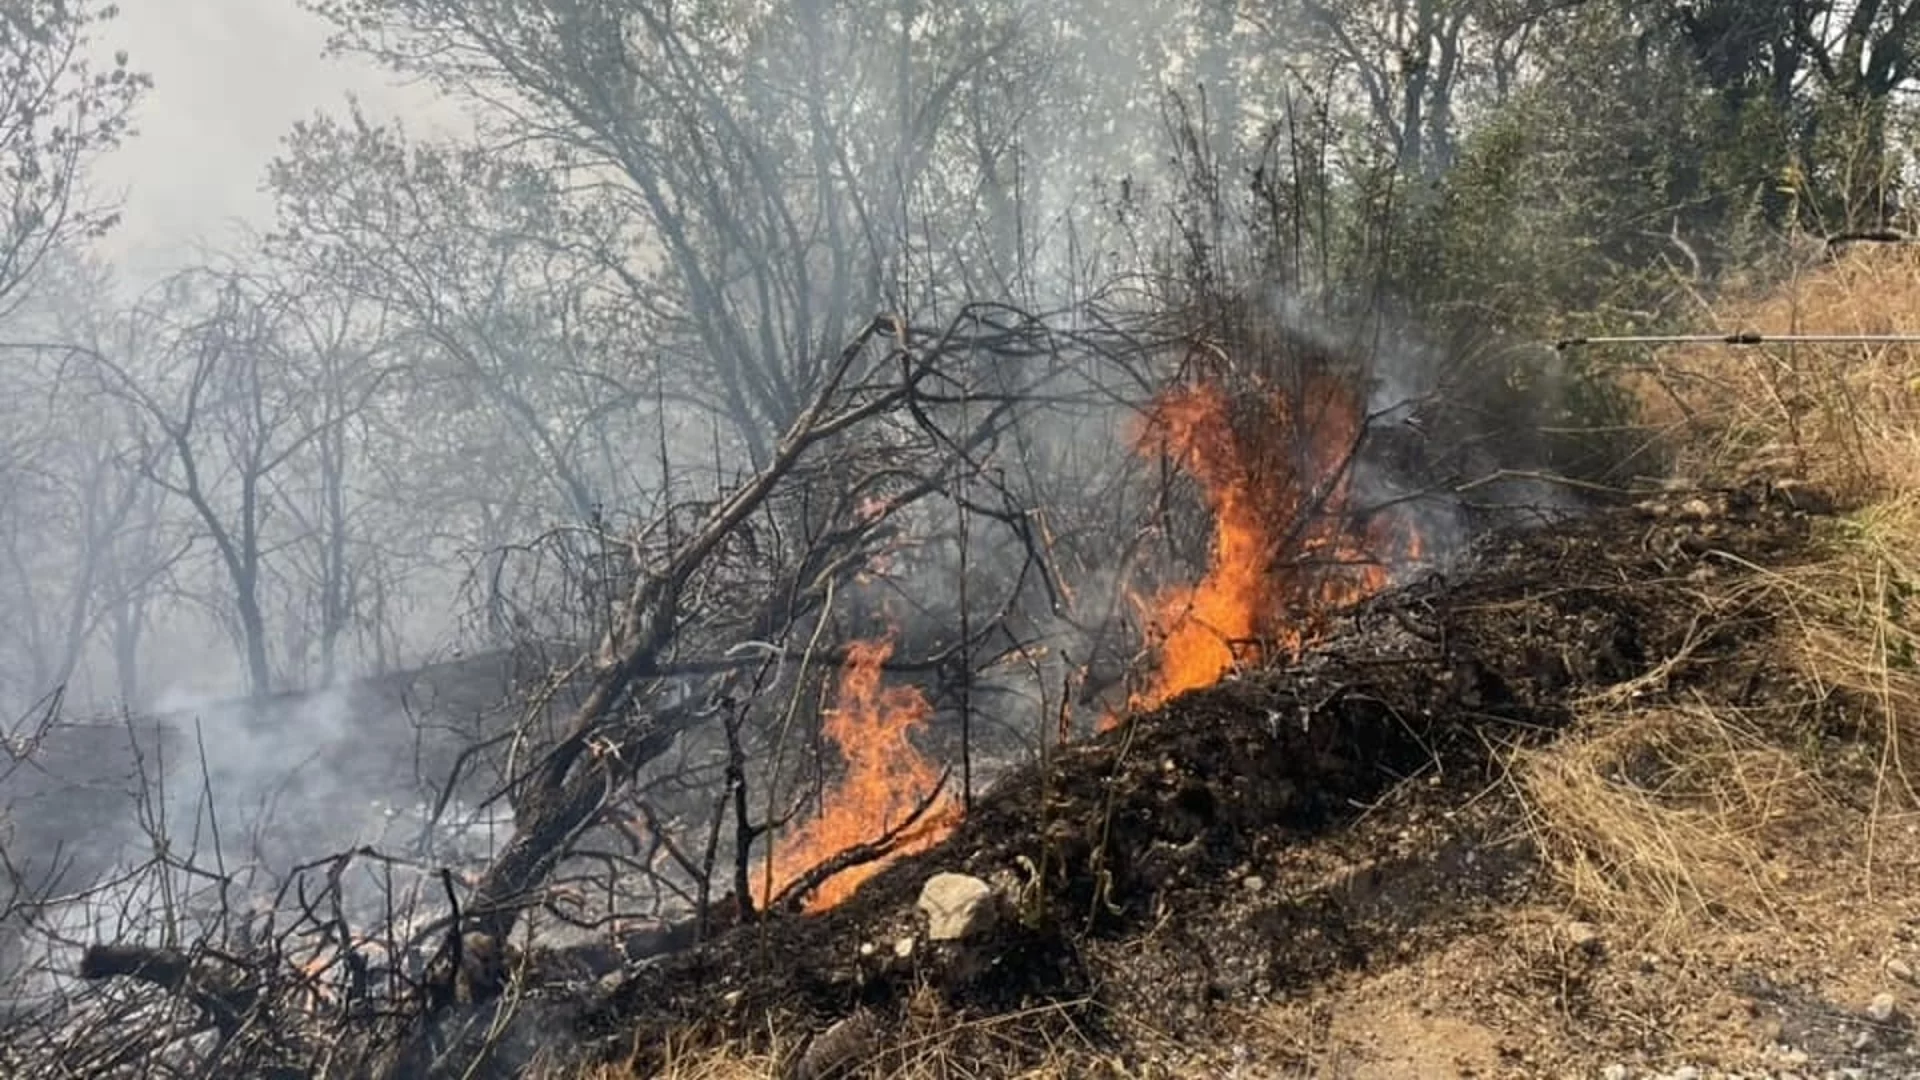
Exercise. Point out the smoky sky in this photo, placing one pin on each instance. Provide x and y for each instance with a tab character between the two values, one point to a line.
231	77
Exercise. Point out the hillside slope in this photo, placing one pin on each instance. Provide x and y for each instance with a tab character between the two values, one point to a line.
1625	799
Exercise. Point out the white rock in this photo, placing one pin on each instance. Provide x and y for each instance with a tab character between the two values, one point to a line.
1880	1009
1615	1071
1685	1072
1900	969
956	906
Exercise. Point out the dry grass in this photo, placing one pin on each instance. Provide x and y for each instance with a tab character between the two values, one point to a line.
1842	418
930	1043
1659	820
1674	821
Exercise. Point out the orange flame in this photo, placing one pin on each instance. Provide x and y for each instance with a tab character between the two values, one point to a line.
885	780
1283	553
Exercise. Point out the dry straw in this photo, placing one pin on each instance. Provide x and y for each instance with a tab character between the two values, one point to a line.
1670	820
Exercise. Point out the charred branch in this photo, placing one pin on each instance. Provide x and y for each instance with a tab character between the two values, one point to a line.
617	728
223	1000
796	893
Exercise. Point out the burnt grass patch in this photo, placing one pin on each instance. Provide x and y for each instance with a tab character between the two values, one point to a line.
1248	842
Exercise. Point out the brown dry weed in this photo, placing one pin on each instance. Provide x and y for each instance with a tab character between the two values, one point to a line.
1670	822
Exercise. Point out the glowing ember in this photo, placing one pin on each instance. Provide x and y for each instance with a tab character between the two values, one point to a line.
1283	553
885	780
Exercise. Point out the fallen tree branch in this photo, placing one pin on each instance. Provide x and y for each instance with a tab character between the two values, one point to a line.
174	971
609	738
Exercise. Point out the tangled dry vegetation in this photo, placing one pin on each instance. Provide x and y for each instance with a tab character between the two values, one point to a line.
1622	787
1656	811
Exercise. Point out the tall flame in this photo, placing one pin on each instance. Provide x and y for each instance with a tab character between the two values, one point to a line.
1284	552
885	780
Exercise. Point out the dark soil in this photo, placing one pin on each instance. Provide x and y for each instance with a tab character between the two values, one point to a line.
1246	843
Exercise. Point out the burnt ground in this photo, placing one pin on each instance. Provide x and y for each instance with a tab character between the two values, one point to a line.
1252	856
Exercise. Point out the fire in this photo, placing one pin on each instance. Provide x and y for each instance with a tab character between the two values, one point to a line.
885	780
1283	552
1274	471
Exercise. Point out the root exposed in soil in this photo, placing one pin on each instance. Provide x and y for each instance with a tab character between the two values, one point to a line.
1250	841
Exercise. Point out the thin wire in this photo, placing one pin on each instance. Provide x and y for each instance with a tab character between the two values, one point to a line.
1740	339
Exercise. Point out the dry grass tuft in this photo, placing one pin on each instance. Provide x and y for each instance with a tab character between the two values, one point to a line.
1843	418
1657	820
1670	820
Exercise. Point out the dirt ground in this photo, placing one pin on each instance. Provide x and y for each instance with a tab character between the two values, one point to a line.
1355	865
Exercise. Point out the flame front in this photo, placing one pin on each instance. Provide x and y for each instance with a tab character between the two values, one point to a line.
1284	550
886	779
1274	471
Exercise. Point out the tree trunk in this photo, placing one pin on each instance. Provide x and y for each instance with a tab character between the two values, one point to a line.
253	631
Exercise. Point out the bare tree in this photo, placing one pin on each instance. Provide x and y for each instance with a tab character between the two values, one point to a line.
1417	66
224	414
530	360
83	545
781	160
58	113
339	353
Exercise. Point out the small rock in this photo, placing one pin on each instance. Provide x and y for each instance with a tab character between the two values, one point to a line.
903	948
1900	969
1792	1059
1253	883
1583	935
732	998
1881	1008
1616	1071
1684	1072
956	906
1696	509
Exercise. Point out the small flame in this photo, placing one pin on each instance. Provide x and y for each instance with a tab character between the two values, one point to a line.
1283	553
886	779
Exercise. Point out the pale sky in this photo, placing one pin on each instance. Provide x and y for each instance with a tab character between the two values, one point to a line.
230	78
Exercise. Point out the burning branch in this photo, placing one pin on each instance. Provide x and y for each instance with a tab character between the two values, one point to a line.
609	736
870	725
1274	466
913	831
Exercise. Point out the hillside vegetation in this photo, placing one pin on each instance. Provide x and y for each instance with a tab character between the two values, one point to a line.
995	538
1683	834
